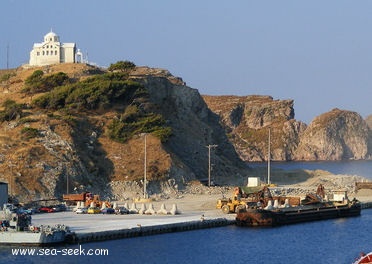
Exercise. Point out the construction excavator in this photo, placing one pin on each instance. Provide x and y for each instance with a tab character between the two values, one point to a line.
251	197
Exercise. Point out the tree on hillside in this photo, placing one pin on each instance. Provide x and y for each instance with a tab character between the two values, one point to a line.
122	66
38	83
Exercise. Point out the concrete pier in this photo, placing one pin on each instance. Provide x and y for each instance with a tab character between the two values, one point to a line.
149	230
99	227
194	214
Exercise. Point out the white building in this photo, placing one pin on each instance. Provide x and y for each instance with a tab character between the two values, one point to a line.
52	51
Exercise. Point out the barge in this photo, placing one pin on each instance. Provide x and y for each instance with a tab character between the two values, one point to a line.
293	215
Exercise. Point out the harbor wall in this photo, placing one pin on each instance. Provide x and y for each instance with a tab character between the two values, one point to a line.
148	230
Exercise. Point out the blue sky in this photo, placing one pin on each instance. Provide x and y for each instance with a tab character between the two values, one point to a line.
318	53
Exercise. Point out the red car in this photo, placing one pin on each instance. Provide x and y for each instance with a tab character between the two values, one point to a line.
46	210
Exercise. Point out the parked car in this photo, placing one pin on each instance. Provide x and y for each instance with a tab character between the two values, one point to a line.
32	210
59	208
93	210
108	211
121	210
45	209
82	210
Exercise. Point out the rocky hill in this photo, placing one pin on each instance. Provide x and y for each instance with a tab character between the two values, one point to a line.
248	119
76	127
336	135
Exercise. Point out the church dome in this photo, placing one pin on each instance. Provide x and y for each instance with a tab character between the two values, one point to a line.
51	36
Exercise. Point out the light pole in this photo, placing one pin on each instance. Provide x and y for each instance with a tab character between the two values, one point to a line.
268	158
145	169
209	163
67	183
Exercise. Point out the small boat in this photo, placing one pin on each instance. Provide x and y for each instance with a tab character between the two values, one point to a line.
364	258
16	229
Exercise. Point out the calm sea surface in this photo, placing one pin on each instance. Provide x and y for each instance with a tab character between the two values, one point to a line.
350	167
330	241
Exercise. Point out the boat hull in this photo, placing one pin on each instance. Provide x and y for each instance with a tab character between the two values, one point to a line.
31	238
261	217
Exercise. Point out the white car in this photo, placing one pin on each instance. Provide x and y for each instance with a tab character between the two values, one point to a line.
82	210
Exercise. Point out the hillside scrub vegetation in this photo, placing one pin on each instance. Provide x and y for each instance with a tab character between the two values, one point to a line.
121	66
38	83
101	92
11	110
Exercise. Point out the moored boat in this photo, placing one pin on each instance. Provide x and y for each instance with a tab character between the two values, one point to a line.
298	214
39	237
364	258
16	229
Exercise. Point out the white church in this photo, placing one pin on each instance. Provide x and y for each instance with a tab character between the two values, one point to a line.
52	51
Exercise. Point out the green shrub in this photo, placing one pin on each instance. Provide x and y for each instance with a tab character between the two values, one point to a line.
122	66
29	132
11	111
37	83
122	130
28	120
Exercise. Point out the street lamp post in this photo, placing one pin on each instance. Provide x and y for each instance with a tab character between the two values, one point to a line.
145	168
209	163
269	158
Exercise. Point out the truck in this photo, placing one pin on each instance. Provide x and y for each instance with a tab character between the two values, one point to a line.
233	204
86	197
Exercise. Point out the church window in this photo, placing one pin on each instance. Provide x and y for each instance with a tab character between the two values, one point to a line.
43	52
55	52
47	53
37	53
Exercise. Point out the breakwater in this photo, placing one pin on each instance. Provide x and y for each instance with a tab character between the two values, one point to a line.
148	230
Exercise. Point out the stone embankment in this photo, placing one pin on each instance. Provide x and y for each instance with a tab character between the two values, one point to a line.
149	230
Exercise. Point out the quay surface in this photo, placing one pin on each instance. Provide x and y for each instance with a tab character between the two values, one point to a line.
196	213
98	227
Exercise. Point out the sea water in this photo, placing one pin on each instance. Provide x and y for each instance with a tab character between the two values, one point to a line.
348	167
329	241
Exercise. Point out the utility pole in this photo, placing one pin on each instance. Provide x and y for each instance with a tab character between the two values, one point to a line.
268	158
145	168
209	163
67	183
7	56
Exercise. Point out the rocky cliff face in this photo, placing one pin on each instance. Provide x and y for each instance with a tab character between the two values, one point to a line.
248	119
335	135
74	151
194	127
